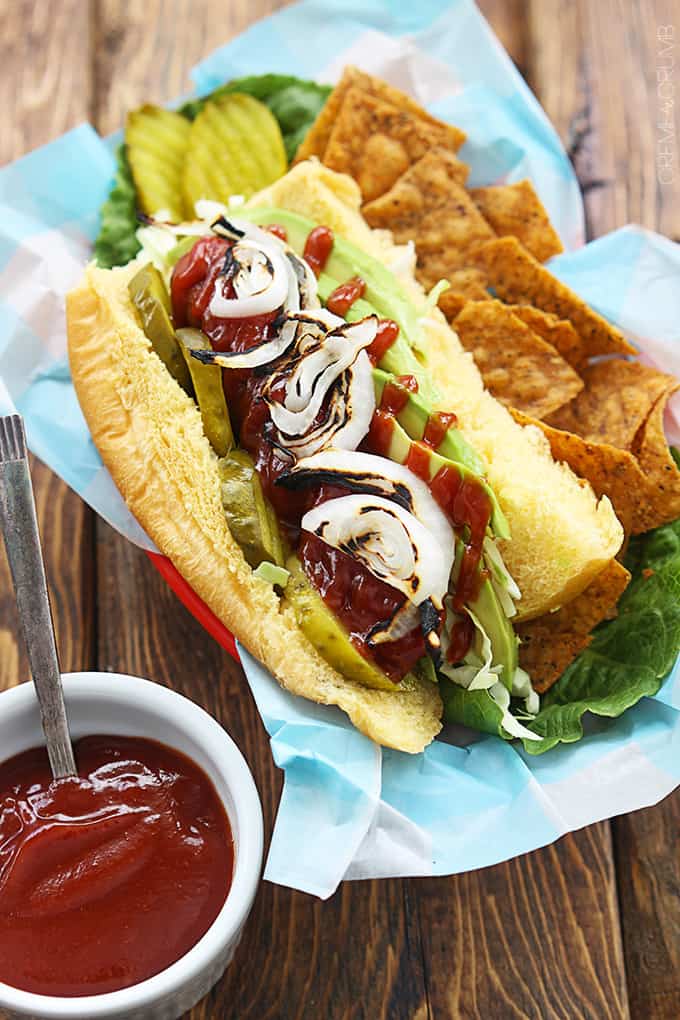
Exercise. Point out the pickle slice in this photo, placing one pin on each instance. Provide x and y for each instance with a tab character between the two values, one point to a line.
150	297
156	141
235	148
322	629
207	380
250	519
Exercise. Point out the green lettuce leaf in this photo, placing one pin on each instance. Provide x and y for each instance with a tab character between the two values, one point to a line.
295	103
116	243
626	661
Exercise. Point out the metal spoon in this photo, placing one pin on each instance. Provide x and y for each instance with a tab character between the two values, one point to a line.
22	540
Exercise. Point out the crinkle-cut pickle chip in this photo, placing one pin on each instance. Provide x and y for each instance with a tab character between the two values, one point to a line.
156	141
235	148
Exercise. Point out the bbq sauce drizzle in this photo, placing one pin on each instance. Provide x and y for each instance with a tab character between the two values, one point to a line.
463	499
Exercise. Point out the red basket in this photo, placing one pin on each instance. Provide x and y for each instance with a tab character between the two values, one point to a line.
196	606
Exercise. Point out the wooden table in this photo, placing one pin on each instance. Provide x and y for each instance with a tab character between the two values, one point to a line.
589	927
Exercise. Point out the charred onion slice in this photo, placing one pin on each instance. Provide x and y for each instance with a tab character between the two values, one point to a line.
377	476
347	418
309	376
405	619
388	540
261	277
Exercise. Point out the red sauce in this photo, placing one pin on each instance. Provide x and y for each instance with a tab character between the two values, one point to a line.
388	331
359	600
193	279
318	247
278	231
467	504
380	433
438	424
461	638
418	460
395	393
108	878
344	296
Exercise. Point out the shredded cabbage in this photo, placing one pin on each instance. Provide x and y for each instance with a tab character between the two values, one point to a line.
477	673
502	580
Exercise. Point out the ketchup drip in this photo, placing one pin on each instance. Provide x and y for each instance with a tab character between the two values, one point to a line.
395	393
438	424
380	433
278	231
467	504
344	296
388	331
460	639
418	461
318	247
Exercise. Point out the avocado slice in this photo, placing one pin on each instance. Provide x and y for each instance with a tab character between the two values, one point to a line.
327	634
504	641
250	517
413	417
399	449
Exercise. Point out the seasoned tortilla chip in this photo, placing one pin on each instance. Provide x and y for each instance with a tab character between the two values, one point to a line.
466	285
375	143
515	210
657	462
518	367
615	402
317	139
430	207
558	332
518	278
550	643
611	472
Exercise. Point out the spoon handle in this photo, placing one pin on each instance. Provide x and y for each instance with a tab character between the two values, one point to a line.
22	540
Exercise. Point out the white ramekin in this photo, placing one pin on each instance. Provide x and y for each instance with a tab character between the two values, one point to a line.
109	703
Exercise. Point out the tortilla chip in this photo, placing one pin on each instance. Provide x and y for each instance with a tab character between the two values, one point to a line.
518	367
515	210
375	143
550	643
317	138
656	460
612	472
615	402
430	207
559	333
518	278
466	285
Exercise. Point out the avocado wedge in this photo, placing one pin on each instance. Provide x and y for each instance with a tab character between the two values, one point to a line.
504	642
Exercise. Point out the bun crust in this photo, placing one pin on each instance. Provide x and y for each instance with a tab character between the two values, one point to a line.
150	436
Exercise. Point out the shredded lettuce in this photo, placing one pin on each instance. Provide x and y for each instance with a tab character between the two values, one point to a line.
117	243
502	580
627	659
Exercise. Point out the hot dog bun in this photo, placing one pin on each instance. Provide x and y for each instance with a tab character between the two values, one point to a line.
150	436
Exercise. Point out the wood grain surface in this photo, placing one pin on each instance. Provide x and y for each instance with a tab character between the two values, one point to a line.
589	927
